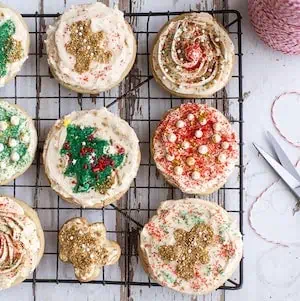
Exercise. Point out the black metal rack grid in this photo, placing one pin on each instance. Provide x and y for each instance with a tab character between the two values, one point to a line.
130	224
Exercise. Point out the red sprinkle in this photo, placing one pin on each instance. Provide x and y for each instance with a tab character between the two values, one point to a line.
86	150
102	163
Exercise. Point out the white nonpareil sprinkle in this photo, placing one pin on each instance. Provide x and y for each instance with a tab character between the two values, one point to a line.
198	134
74	161
180	124
217	126
222	158
80	33
190	161
12	142
225	145
203	121
178	67
203	149
216	138
14	120
1	147
3	125
81	127
164	77
83	143
15	156
179	51
217	39
172	137
178	170
195	175
166	70
185	145
209	70
190	117
170	157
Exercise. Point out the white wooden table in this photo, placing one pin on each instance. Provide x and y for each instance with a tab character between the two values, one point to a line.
271	272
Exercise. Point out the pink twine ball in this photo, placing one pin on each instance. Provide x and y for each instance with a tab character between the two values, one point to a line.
277	22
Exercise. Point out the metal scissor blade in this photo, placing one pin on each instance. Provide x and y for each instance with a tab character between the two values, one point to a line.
290	180
283	158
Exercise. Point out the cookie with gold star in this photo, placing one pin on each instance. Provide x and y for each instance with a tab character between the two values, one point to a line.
14	43
195	148
91	48
18	141
191	246
91	157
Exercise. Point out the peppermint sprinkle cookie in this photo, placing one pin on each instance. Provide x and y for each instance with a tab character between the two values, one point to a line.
195	148
91	48
86	247
193	56
14	41
18	141
91	157
21	241
191	246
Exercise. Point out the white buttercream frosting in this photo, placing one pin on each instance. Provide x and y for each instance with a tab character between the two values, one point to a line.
119	41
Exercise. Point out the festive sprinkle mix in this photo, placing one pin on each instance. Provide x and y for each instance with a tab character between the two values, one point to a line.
189	249
87	46
10	49
88	160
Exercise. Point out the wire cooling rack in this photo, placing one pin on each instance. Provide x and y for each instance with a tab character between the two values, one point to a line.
142	103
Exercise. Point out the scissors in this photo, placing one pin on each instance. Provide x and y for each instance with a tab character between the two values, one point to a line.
283	167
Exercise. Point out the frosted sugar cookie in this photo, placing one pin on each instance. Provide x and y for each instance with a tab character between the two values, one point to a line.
21	241
14	42
86	247
91	48
195	148
193	56
191	246
18	141
91	157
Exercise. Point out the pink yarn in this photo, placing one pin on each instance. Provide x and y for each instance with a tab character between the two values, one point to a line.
277	22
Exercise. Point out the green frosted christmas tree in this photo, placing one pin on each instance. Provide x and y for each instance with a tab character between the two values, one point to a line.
88	160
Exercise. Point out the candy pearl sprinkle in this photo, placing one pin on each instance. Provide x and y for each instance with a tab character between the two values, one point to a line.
195	175
172	137
15	156
180	124
190	161
170	157
222	158
216	138
225	145
14	120
185	145
198	134
12	142
203	121
203	149
190	117
178	170
217	126
3	125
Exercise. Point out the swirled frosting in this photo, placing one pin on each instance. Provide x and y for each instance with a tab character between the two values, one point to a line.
19	243
92	31
193	55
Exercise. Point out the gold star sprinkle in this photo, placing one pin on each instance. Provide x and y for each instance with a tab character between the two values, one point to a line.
189	249
86	46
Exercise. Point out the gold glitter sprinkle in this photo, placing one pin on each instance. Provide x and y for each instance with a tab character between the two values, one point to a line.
106	185
74	246
189	249
14	50
86	46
